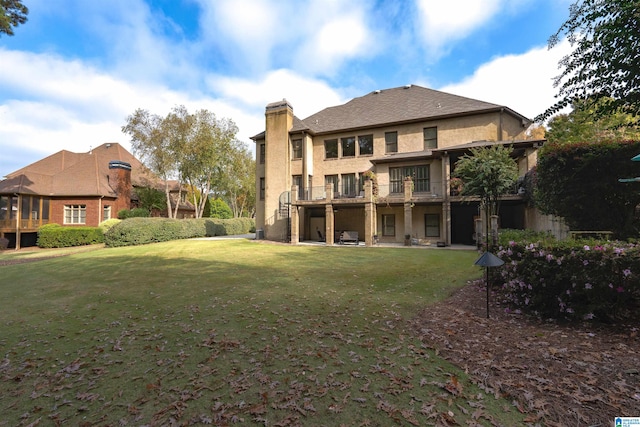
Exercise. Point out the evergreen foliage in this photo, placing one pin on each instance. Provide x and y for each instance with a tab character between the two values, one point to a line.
57	236
218	208
580	182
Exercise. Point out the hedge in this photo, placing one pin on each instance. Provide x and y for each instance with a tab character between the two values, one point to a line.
570	280
140	231
57	236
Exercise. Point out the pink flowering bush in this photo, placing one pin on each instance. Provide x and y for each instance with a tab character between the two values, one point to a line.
570	280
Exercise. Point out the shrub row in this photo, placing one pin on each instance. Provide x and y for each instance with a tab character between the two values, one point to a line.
571	280
57	236
133	213
140	231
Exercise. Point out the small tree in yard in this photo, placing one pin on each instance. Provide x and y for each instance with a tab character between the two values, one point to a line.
487	173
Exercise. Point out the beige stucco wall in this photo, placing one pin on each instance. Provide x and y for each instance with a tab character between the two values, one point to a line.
279	167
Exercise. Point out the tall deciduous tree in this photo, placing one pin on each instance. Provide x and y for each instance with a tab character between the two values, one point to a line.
237	183
12	14
192	148
604	68
151	141
579	126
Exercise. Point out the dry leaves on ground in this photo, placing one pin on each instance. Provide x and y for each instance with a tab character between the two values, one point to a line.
558	374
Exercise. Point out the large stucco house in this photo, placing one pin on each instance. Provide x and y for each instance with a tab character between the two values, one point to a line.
381	165
73	189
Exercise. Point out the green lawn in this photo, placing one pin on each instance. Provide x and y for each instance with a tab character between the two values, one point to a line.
232	332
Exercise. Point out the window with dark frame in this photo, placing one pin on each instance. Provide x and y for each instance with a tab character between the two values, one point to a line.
388	225
348	184
391	142
432	225
419	174
296	149
430	138
332	179
261	188
348	146
331	149
262	152
365	145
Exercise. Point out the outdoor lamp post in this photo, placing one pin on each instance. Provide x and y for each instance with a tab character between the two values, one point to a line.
487	260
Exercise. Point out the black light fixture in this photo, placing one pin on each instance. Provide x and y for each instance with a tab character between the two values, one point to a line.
488	260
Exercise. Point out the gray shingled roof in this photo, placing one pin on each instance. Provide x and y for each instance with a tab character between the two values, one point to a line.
389	106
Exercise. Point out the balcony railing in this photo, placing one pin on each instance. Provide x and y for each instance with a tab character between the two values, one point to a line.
25	224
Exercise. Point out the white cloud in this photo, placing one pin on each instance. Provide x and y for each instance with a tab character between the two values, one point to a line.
442	22
306	95
523	83
316	36
246	31
50	104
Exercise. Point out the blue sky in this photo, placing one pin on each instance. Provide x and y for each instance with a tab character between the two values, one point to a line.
72	74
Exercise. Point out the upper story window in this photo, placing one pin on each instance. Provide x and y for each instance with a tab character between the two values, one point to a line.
391	142
331	149
261	158
430	138
365	144
348	146
75	214
296	149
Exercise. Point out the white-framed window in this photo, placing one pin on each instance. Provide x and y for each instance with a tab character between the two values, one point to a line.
106	213
388	225
75	214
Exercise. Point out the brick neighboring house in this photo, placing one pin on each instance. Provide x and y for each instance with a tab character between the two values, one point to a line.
73	189
312	175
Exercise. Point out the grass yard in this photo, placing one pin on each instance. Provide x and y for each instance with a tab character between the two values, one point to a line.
232	332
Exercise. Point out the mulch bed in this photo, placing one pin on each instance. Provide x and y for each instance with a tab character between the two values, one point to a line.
558	374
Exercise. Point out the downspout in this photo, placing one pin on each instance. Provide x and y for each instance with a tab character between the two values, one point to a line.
18	215
305	184
500	124
305	175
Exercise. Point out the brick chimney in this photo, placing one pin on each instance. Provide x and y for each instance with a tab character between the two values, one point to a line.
120	181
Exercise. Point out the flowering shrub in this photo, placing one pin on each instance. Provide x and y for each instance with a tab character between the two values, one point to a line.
571	280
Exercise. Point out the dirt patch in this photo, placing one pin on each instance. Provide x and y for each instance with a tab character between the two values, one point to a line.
558	374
